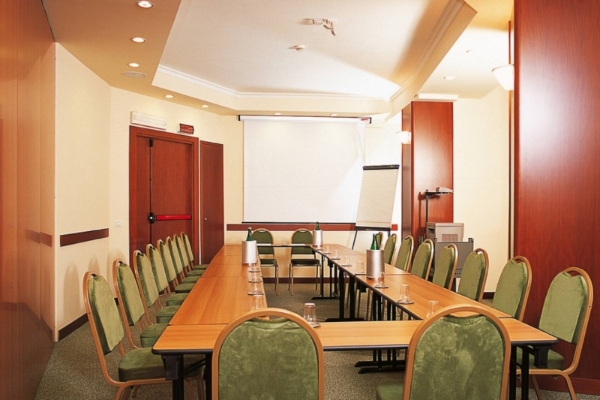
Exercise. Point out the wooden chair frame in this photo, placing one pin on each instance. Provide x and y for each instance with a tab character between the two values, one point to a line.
275	266
452	271
578	347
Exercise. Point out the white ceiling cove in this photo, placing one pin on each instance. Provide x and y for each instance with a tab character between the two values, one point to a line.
241	56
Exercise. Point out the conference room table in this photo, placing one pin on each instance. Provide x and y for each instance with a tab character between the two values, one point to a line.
222	294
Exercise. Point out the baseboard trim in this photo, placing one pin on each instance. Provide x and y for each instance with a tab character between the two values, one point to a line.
72	327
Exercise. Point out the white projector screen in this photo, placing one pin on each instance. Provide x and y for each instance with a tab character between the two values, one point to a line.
302	171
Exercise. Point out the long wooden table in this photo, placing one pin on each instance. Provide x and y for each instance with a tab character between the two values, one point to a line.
222	295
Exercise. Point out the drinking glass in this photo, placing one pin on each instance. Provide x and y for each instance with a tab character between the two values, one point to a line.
257	301
432	308
405	293
360	267
335	254
380	279
310	314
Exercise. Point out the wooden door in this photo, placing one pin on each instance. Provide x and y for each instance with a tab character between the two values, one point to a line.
163	186
211	188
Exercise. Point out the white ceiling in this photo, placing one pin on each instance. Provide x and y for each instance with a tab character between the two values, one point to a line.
238	56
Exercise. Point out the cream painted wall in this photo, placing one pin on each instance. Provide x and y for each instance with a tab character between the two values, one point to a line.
481	180
82	197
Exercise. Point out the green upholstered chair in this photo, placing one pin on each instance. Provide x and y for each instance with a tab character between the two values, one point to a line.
422	260
474	275
160	276
453	357
565	315
178	262
268	353
513	287
389	248
302	256
445	266
190	251
404	256
132	308
172	275
142	270
136	367
185	259
267	253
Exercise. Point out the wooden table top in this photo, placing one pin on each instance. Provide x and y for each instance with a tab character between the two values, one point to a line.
355	335
421	291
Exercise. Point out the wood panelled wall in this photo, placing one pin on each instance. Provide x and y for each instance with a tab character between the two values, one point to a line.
427	163
26	196
557	148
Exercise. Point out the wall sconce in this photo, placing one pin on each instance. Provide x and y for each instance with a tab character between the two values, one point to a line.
506	76
405	137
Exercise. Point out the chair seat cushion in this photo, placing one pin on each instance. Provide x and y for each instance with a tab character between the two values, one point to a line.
304	262
200	266
151	334
555	360
184	288
389	391
268	262
176	299
143	364
196	272
190	279
165	314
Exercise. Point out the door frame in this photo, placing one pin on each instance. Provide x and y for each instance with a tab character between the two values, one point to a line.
134	133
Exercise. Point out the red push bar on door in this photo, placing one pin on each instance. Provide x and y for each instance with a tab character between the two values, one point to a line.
173	217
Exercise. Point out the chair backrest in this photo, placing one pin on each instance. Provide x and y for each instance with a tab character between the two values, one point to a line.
513	287
287	347
181	250
167	260
188	246
142	270
176	257
158	268
567	307
103	315
458	357
128	293
474	275
388	248
445	266
262	235
422	260
302	236
404	257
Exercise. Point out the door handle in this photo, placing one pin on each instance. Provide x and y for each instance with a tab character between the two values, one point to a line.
206	219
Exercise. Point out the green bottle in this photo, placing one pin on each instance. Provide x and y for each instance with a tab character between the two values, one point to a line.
317	227
374	242
249	236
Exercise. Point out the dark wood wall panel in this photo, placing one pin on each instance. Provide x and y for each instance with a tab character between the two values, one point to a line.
26	196
557	174
431	162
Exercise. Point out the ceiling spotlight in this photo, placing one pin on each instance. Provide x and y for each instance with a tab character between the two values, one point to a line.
138	39
299	47
449	77
204	105
169	96
145	4
133	65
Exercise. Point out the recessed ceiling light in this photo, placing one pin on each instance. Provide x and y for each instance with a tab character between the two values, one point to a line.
134	65
204	105
278	113
333	115
449	77
145	4
169	96
138	39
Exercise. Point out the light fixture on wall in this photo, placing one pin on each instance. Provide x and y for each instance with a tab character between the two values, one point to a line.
505	74
405	137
